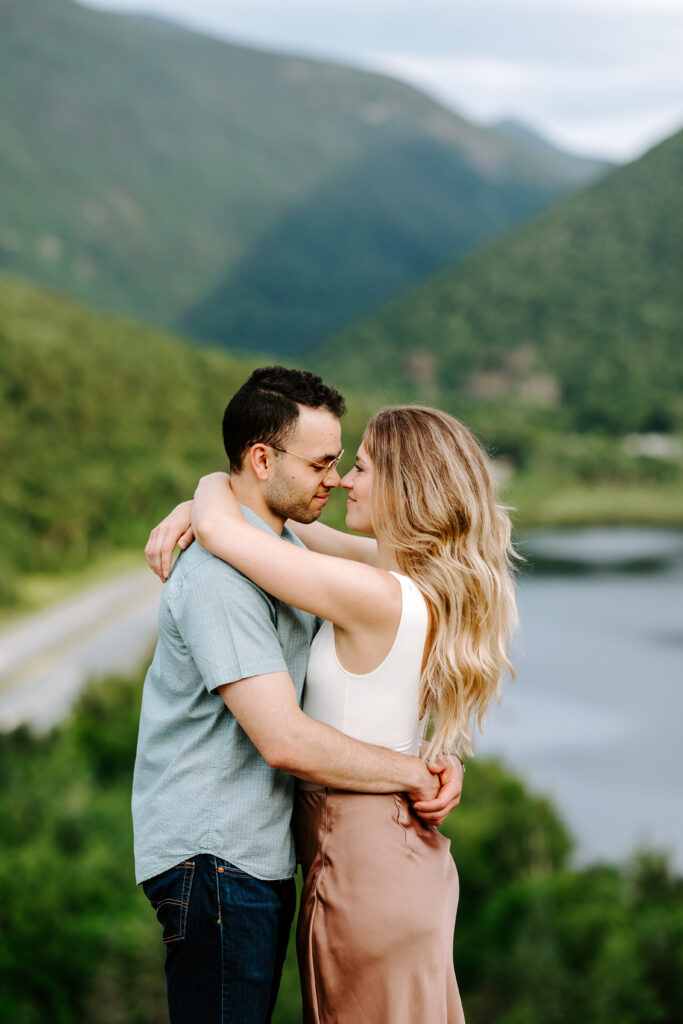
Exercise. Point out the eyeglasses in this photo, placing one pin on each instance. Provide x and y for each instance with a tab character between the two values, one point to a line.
320	467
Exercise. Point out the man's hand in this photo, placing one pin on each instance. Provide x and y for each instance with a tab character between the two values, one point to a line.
174	529
427	785
451	772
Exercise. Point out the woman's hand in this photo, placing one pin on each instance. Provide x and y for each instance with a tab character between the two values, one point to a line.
451	772
174	529
214	506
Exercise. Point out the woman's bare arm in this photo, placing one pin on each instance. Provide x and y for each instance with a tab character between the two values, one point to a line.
176	528
328	541
352	594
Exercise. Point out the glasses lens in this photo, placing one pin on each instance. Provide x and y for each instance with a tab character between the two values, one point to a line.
327	467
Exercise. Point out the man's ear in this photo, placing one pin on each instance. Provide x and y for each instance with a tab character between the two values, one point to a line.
261	461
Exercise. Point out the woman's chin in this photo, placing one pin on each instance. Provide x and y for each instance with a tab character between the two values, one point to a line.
350	520
356	525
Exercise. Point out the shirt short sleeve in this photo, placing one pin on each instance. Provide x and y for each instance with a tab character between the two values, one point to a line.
227	623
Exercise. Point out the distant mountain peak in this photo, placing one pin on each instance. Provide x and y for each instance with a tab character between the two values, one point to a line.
517	131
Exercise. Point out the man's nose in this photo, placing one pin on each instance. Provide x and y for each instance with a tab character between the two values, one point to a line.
332	478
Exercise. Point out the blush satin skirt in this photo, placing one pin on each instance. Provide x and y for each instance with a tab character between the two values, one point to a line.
377	912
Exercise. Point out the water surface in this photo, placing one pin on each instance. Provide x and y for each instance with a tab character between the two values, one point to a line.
595	717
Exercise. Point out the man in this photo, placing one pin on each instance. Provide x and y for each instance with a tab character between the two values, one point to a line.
220	730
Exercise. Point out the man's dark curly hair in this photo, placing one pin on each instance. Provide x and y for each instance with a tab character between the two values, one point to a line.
266	408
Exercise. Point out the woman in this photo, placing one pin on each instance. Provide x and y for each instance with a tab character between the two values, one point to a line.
415	638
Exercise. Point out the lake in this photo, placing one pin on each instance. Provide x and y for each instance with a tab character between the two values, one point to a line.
595	716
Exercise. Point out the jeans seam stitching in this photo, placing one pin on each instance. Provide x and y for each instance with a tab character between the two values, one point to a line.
187	889
220	936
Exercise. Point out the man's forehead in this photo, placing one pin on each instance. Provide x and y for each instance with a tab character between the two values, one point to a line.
318	427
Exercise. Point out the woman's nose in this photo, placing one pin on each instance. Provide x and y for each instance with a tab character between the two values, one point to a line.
346	481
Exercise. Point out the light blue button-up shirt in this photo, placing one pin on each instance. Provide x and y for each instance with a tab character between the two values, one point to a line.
200	785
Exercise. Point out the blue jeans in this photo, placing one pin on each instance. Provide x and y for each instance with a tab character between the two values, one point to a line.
226	938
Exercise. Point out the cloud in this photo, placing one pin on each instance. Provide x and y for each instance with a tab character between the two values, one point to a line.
611	66
615	112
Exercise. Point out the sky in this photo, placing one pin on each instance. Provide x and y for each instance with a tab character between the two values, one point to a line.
598	77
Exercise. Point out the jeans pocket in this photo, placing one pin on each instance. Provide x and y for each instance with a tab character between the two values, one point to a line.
169	894
225	867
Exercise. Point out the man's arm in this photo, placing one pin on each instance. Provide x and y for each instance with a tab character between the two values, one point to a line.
267	709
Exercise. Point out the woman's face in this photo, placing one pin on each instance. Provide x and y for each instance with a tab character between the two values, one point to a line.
358	483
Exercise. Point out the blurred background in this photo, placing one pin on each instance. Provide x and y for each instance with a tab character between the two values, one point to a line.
474	206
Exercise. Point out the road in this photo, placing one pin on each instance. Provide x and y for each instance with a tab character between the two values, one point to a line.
47	657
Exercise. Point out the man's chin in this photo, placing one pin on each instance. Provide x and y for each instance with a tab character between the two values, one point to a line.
301	515
311	516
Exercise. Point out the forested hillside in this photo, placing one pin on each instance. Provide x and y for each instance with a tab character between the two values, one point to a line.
257	200
103	426
578	314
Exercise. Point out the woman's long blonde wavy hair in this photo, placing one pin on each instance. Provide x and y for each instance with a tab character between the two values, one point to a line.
434	503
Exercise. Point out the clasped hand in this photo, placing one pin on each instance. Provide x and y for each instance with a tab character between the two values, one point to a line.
450	771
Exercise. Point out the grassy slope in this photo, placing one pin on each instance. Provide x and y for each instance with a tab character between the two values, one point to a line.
586	299
104	425
142	165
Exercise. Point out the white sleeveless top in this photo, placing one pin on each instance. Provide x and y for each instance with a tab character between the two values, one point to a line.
381	706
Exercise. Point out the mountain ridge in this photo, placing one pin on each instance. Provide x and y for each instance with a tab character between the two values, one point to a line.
143	190
579	310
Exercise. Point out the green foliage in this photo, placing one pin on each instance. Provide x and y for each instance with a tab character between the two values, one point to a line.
536	942
156	172
587	478
103	426
78	945
582	946
579	312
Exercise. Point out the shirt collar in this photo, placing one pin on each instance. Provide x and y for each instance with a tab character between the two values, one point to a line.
255	520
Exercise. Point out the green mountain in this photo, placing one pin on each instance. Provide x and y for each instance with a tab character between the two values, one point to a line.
103	425
259	200
579	312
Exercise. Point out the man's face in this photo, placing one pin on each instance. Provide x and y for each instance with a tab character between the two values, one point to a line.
296	488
